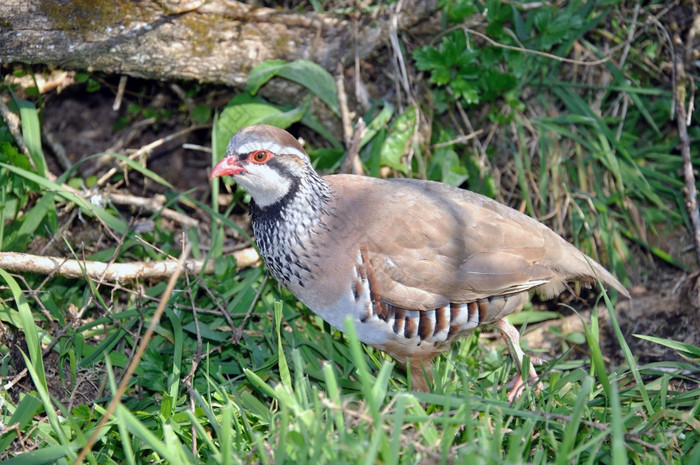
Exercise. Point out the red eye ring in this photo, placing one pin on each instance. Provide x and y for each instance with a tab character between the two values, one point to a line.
259	156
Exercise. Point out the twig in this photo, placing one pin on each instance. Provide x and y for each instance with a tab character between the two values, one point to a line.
361	94
623	58
147	148
153	204
120	93
458	140
345	115
648	445
237	333
394	40
680	82
155	319
222	310
527	50
468	124
57	148
351	136
44	82
630	36
128	136
27	263
351	163
197	147
195	362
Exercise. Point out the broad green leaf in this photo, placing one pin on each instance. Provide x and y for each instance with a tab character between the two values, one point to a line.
245	110
312	122
440	76
428	58
445	165
303	72
377	123
396	143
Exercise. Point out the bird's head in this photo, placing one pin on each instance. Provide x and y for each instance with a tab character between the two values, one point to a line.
266	161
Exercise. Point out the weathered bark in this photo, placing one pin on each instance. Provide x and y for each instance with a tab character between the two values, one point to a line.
219	41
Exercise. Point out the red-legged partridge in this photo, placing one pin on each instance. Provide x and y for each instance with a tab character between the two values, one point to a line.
415	264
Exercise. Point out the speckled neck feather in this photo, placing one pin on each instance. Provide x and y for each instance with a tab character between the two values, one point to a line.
283	228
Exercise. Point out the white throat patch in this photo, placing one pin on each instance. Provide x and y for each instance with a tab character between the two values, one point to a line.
266	185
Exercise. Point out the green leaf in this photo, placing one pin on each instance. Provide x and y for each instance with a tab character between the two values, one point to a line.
33	219
42	456
22	415
564	24
150	440
201	114
285	376
686	350
428	58
303	72
574	424
457	11
245	110
454	50
110	220
31	132
395	144
440	76
141	169
310	121
378	123
520	28
29	327
542	19
494	29
532	317
445	165
496	84
10	154
467	90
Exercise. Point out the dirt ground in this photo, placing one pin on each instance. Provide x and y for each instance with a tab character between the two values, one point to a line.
667	307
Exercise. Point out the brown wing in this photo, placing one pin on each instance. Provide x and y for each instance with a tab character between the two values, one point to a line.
431	244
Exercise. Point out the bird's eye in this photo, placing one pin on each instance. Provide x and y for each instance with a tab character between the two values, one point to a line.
261	156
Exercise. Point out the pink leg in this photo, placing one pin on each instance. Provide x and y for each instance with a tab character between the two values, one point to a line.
512	337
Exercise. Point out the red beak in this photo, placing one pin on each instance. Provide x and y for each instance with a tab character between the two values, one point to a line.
228	166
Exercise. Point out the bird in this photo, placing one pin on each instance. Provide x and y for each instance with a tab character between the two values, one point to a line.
415	264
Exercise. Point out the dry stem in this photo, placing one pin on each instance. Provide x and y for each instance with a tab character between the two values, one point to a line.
680	91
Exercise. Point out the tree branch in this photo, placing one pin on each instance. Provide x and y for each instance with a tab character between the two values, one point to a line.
220	41
27	263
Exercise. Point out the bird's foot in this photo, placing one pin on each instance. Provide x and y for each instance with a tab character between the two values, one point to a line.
516	387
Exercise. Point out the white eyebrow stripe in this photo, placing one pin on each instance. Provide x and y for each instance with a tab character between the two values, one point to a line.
271	146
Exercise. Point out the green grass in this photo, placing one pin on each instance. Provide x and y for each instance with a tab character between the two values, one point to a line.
291	391
237	371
